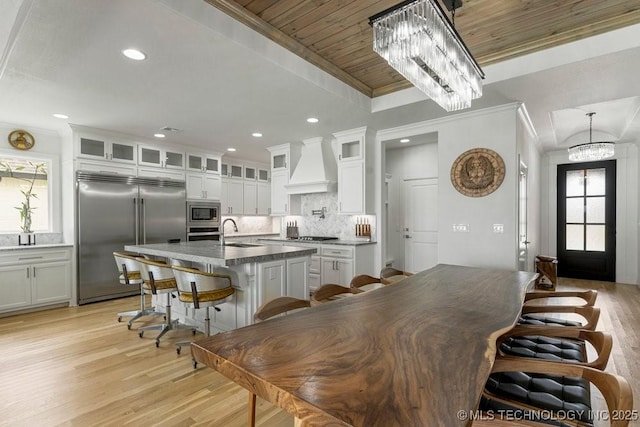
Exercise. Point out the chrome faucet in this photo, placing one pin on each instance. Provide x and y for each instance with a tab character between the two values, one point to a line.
235	228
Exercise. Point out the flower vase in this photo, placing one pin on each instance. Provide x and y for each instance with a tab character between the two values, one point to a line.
26	239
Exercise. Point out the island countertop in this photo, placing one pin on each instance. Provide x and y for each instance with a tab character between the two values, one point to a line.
212	253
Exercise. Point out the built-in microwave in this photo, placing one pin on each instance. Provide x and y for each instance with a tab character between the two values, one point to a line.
203	214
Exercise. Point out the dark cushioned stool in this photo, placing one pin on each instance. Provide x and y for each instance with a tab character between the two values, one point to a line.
547	348
539	320
547	392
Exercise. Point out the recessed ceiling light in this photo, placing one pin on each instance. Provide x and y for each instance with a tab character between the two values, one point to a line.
404	140
159	135
312	120
256	134
60	116
134	54
231	149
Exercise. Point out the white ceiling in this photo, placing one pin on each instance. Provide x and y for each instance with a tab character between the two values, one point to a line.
219	81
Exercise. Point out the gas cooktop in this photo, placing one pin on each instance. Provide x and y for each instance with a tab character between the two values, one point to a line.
315	238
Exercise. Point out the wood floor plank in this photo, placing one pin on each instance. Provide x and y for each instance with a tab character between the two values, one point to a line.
77	366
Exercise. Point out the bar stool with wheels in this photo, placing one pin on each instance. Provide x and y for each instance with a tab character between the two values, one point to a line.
129	270
201	289
158	279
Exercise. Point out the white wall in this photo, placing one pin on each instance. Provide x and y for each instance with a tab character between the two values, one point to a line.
494	128
415	162
626	208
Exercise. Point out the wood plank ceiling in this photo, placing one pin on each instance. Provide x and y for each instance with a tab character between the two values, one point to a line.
335	34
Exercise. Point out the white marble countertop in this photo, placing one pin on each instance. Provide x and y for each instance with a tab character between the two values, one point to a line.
35	247
323	242
212	253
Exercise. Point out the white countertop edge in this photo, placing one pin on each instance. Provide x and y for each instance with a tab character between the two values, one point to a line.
36	247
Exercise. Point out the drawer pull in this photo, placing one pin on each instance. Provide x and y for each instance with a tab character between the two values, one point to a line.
29	257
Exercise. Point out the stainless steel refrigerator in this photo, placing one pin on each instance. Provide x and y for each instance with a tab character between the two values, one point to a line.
114	211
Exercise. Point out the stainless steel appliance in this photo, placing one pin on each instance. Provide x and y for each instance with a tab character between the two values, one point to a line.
203	220
203	213
117	210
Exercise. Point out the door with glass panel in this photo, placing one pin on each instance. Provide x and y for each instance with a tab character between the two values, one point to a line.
587	220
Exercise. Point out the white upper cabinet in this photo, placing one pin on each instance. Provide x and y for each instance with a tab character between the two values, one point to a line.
203	186
250	173
103	149
203	163
263	175
284	158
356	181
351	150
160	157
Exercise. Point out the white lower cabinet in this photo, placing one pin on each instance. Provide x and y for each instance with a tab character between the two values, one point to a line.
271	281
223	316
298	278
34	278
337	271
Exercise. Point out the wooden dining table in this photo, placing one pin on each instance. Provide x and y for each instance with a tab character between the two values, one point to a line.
414	353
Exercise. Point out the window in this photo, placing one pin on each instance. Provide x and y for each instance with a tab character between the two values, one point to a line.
24	187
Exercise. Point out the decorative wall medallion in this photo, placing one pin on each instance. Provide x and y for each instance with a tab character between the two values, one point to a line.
477	172
21	139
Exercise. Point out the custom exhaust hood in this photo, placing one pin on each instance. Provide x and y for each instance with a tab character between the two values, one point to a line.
316	171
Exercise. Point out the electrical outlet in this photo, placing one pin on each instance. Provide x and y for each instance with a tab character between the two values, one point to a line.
460	228
498	228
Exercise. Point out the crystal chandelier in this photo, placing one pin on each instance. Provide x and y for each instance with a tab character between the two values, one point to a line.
591	151
417	39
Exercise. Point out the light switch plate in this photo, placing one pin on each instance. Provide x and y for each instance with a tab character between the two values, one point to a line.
498	228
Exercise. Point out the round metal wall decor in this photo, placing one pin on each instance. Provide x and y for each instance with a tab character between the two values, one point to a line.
477	172
21	139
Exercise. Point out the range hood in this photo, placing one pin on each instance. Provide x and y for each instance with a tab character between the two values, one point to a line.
316	171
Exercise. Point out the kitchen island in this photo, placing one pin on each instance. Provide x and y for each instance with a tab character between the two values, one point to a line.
261	272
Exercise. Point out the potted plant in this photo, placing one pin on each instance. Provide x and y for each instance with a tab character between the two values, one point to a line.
26	237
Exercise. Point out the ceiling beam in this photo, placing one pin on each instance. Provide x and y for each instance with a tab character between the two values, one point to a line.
254	22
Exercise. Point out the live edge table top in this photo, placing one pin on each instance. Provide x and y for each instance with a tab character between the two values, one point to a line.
414	353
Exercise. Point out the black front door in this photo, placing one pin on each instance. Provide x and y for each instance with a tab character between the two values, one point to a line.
587	220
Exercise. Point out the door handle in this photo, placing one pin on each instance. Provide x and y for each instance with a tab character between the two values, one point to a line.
28	272
136	220
526	242
34	272
406	236
144	222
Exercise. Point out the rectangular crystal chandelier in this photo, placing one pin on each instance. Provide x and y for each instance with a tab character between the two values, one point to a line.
417	39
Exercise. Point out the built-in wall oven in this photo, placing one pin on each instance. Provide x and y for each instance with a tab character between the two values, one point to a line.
203	220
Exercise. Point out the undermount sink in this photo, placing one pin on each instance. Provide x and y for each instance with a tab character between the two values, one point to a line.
242	245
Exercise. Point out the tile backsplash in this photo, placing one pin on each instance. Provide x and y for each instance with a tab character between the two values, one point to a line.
341	226
253	224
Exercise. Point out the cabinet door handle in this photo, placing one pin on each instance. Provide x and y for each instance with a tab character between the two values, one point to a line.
256	211
28	272
29	257
34	272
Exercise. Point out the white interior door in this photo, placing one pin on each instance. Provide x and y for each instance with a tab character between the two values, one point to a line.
523	253
421	224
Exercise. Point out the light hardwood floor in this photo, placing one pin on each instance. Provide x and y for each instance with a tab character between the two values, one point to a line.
78	366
